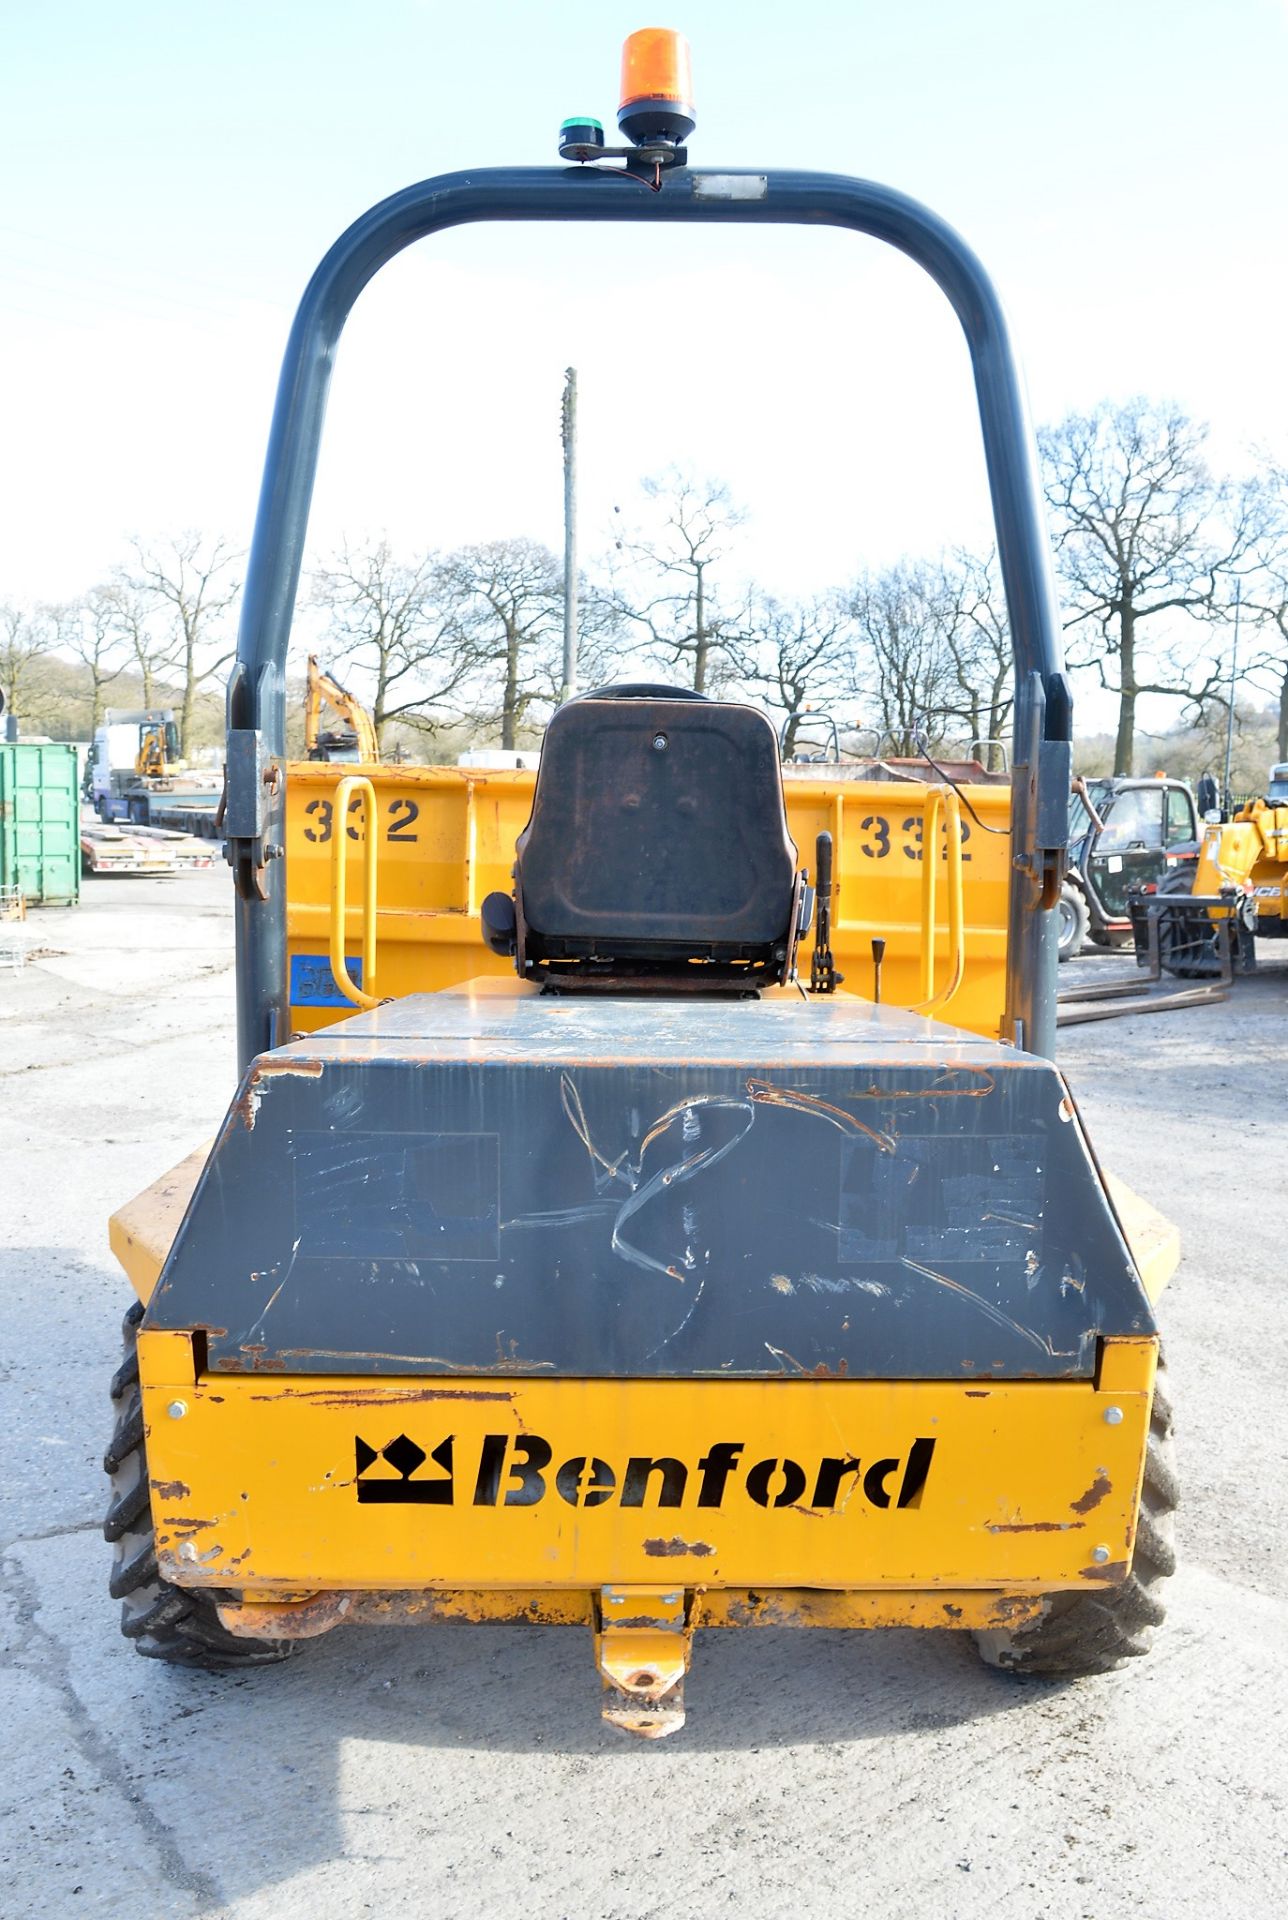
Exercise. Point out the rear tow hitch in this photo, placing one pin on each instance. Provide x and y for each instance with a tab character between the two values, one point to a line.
642	1646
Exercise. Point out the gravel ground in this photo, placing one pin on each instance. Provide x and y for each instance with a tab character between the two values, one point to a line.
464	1772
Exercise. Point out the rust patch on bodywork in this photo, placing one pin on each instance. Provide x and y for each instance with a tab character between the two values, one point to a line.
246	1105
512	1363
1035	1526
665	1549
935	1091
284	1615
303	1620
796	1607
764	1093
381	1396
170	1489
1095	1493
1111	1570
821	1372
261	1361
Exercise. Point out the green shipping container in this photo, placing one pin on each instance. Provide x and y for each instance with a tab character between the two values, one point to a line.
40	822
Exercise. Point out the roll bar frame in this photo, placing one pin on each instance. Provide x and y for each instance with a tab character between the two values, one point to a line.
1041	761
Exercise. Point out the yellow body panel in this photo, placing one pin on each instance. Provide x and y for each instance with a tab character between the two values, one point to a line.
141	1232
1154	1241
1250	853
578	1607
447	837
292	1484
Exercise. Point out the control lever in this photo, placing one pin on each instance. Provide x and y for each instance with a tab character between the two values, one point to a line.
823	977
878	955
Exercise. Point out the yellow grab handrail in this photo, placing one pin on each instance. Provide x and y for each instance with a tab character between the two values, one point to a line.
363	996
942	803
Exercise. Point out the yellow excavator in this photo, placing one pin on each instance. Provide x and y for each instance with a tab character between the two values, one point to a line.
355	740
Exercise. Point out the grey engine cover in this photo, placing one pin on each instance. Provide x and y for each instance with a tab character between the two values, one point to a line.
491	1179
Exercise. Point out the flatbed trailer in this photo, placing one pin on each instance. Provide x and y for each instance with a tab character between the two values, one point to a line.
135	849
196	819
146	806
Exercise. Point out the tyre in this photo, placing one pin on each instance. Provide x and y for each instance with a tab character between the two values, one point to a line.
165	1622
1080	1633
1187	940
1072	923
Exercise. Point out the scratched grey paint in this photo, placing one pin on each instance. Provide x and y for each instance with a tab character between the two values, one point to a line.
652	1188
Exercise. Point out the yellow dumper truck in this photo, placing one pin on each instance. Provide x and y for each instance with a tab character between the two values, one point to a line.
563	1255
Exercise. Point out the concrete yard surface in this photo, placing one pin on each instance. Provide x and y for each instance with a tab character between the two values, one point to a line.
460	1772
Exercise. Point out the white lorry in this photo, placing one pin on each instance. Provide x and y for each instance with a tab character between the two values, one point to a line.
156	815
135	774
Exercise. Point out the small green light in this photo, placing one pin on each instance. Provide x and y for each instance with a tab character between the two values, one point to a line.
582	120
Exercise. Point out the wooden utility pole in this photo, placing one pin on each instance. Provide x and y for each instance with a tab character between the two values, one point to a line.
569	415
1229	709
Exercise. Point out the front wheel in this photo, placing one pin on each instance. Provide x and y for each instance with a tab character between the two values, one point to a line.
1072	910
176	1624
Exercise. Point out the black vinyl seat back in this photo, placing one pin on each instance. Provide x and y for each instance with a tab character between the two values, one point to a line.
658	834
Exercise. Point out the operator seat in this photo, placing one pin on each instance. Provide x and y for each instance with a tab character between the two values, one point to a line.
657	850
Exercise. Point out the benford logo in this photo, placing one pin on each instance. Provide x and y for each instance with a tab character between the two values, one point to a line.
518	1470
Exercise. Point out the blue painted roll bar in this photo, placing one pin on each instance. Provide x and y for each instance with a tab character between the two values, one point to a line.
256	707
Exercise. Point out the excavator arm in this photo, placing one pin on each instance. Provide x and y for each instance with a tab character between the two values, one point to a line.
323	691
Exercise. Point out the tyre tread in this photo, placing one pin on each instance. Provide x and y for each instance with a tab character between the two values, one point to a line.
1087	1633
177	1625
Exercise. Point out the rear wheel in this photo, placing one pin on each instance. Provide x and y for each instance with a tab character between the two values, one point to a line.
1072	923
1080	1633
165	1622
1187	938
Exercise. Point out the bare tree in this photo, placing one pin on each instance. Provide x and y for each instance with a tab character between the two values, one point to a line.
395	619
903	667
132	621
25	642
799	655
88	630
188	580
1270	664
670	595
604	644
977	637
1265	608
507	600
1143	530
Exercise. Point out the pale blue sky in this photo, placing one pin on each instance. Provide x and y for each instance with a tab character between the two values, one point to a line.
172	172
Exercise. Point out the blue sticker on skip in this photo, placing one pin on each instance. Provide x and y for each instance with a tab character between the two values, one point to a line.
312	983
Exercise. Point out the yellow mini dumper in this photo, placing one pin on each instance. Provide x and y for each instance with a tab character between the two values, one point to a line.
628	1281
